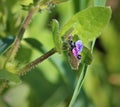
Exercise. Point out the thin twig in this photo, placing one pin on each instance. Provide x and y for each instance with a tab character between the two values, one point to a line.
36	62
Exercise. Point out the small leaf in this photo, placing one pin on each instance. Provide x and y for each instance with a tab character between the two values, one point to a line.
86	56
88	23
56	36
5	43
9	76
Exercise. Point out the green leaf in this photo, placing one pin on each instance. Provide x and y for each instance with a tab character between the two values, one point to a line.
9	76
35	44
86	56
89	23
24	54
78	86
5	43
56	36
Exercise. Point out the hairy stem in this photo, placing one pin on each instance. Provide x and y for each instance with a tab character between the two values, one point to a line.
36	61
16	44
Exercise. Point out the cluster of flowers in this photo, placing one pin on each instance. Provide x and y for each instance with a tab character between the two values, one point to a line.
76	48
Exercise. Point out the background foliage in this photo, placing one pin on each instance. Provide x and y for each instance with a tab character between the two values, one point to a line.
51	83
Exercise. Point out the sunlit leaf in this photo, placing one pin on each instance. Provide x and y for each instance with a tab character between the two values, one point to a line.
88	23
5	75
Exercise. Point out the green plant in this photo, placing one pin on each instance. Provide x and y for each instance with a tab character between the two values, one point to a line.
85	25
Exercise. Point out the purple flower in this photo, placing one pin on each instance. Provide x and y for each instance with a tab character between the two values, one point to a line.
77	49
79	46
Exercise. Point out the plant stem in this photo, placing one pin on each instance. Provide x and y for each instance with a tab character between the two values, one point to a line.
32	64
80	80
78	86
16	44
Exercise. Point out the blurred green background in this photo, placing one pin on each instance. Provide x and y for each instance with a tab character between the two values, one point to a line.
52	82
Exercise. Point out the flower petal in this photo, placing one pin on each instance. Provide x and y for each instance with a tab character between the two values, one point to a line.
75	52
79	45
